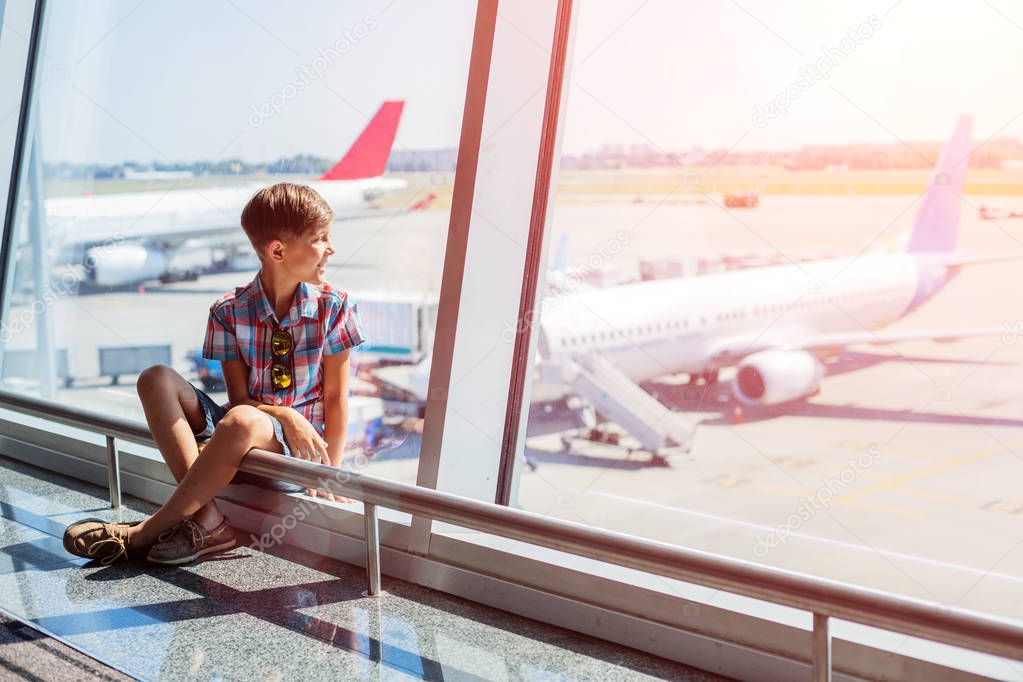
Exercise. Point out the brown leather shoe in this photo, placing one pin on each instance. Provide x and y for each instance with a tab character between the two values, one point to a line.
191	541
76	529
96	539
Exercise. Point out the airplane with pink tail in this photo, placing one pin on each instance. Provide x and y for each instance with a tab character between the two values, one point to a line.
133	237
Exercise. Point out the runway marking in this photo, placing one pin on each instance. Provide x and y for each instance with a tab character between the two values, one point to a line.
901	511
930	457
815	538
941	497
898	481
879	474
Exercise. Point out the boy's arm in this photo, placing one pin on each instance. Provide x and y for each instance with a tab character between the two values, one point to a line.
335	403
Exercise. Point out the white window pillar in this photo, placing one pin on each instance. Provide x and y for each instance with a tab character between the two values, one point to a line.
502	184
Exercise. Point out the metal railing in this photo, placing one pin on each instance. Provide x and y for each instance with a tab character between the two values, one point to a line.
825	599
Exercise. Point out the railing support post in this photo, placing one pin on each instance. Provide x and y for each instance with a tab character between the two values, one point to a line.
821	648
113	473
372	550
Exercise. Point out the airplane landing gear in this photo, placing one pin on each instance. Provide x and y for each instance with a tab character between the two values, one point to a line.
708	378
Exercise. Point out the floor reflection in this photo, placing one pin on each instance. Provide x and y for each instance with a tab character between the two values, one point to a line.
230	614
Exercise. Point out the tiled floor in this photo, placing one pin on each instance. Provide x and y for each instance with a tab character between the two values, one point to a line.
286	615
27	654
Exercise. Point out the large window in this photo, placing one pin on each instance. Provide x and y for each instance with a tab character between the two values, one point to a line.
753	254
152	125
766	224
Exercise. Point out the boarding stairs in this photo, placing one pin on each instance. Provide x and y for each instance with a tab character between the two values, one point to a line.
617	398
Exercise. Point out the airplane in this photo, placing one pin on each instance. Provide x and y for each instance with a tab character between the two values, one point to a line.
132	237
996	211
774	325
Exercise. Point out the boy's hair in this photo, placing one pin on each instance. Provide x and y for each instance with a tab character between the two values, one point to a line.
283	211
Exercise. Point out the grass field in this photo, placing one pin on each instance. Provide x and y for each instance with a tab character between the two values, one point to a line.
635	185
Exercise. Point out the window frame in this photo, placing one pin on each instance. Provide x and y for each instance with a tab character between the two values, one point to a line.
526	582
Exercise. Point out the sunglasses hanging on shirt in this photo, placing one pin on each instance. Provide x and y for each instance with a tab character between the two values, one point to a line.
283	369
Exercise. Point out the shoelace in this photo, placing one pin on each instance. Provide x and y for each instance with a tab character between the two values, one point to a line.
196	531
168	534
120	541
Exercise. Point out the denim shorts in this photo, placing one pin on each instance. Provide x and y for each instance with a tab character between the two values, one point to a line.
214	413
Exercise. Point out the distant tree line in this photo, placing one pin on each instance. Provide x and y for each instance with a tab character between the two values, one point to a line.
994	153
300	164
898	155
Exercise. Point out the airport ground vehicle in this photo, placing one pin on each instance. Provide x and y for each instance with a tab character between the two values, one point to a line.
210	373
742	200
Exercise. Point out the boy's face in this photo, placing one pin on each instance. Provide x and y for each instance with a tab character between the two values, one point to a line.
305	257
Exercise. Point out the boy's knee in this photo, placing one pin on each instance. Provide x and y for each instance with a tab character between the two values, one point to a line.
244	421
156	378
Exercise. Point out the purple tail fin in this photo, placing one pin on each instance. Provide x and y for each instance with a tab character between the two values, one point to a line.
937	222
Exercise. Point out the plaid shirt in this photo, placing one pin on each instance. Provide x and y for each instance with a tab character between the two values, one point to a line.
322	321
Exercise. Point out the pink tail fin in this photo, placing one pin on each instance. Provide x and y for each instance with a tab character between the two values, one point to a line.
367	157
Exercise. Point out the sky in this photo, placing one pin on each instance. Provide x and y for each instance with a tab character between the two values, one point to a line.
182	81
682	73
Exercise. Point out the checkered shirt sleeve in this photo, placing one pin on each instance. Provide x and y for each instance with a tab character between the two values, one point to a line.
220	342
343	328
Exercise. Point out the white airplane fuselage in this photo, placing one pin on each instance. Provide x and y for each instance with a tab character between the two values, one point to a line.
650	329
158	213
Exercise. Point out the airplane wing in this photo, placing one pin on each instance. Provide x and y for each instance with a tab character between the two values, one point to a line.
735	349
960	261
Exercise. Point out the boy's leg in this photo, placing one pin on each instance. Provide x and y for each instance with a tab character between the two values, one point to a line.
174	415
243	428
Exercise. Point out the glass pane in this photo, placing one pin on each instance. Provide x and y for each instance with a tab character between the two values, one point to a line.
156	122
770	220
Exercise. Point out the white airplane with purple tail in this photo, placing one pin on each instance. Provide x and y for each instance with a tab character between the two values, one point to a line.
772	324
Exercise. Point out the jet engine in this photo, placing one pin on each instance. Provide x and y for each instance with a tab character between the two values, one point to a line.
777	376
121	264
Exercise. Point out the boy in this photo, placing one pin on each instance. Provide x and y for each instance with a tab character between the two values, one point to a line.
284	342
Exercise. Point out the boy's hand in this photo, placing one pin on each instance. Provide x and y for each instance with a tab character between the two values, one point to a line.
306	443
304	440
313	492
